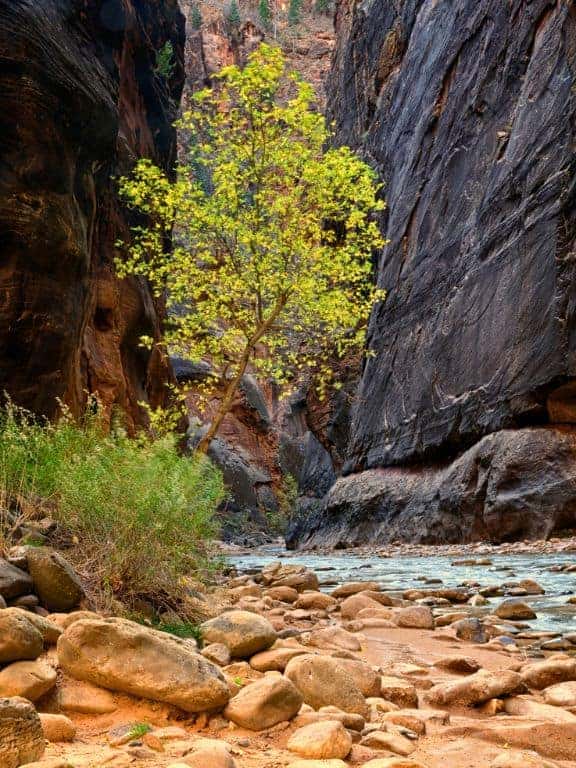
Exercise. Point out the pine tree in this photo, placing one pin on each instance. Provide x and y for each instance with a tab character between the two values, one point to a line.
233	16
265	13
196	17
294	10
322	6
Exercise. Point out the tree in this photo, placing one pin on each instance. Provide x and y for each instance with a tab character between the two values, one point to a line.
294	11
274	270
264	12
196	17
233	16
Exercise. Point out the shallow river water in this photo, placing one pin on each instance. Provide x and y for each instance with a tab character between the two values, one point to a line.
403	572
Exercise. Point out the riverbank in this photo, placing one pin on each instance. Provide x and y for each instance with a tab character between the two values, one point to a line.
294	672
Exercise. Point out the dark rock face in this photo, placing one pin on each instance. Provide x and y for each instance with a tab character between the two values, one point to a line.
80	101
517	484
468	111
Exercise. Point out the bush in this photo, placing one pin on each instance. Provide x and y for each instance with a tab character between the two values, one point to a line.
139	512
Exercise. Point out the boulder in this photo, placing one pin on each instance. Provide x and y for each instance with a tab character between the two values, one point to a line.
283	594
242	632
367	680
475	689
415	617
121	655
334	638
20	640
514	759
217	653
399	692
321	741
298	577
265	703
317	764
13	581
209	753
392	742
29	679
392	762
21	736
276	659
315	601
57	728
348	719
49	630
459	665
322	681
543	674
85	699
561	695
515	610
355	587
351	606
55	581
470	629
420	721
522	706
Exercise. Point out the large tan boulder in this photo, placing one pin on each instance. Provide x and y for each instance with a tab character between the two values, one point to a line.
315	601
515	759
21	736
276	659
475	689
57	728
85	699
561	695
522	706
209	753
543	674
283	594
351	606
29	679
20	640
265	703
516	610
55	581
120	655
415	617
399	691
321	741
322	681
367	680
49	630
318	764
334	638
355	588
389	741
243	632
298	577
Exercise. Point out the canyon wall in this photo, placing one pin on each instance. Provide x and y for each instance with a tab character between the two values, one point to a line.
81	100
463	423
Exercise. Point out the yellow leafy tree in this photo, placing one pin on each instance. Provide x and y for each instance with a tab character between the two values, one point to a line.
272	270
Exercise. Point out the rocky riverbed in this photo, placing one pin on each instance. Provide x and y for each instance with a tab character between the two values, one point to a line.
291	672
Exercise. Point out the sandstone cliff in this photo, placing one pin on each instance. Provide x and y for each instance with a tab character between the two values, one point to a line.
80	101
468	111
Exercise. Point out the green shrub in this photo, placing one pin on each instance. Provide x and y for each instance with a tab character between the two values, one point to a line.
165	61
139	512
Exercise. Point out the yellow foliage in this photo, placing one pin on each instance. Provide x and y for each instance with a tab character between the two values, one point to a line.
277	229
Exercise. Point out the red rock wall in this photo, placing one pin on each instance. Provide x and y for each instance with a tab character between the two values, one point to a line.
80	101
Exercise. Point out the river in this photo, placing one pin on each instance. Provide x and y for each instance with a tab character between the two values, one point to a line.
403	572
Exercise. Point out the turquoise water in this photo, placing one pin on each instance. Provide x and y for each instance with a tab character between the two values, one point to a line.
399	573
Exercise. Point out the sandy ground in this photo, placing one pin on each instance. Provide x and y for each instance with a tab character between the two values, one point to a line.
471	740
